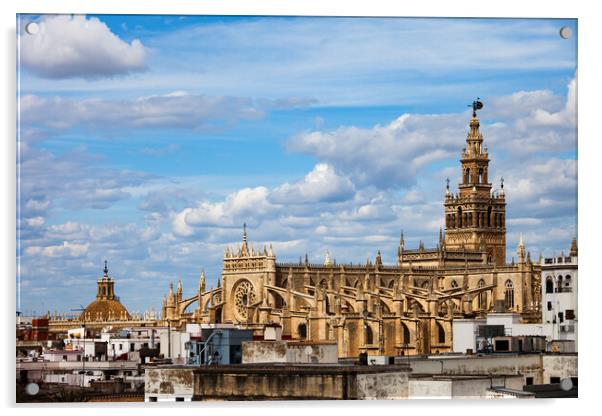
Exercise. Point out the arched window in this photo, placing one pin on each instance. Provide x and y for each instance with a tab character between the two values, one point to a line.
559	283
467	176
302	330
489	217
567	280
480	175
406	333
368	338
441	332
459	223
509	295
104	291
482	296
549	285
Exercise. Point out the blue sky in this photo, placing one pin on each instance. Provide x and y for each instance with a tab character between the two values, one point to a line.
151	139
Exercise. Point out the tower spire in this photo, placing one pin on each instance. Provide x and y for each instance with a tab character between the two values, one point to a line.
106	270
245	245
202	281
573	251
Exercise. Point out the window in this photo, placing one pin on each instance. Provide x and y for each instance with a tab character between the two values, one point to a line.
152	398
441	333
502	345
132	347
509	295
560	317
482	296
554	380
549	285
368	336
529	381
120	347
302	329
406	333
570	314
179	399
64	358
549	305
454	284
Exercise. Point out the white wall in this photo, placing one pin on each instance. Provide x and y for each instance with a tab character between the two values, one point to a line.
464	334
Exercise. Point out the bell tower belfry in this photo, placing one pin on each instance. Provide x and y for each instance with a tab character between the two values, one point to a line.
475	219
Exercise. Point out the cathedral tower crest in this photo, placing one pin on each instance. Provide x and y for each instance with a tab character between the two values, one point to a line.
475	219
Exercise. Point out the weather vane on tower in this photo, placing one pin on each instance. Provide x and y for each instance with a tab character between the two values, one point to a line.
476	105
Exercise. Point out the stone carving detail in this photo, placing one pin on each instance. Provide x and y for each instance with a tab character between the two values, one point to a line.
244	295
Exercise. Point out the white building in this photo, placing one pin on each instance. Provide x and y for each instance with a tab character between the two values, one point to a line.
559	294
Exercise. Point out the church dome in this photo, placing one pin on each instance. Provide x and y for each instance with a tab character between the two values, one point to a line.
106	307
106	310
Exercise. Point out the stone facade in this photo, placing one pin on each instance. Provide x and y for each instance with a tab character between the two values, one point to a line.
406	308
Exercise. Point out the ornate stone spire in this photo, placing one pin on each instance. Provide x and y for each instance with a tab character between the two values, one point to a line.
573	251
379	260
245	245
202	282
171	299
520	251
106	270
327	259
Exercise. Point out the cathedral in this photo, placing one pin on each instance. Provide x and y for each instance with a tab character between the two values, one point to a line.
401	309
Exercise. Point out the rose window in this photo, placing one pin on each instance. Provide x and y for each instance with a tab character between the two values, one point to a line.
244	295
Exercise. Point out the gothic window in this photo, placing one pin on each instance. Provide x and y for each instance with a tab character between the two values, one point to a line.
406	333
482	296
489	217
441	332
480	175
467	176
302	330
459	217
549	285
368	336
509	294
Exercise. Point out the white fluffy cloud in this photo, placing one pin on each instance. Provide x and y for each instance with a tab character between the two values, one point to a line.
254	205
393	155
385	156
66	249
322	184
174	110
77	46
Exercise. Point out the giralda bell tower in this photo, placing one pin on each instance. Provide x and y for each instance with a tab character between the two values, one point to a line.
475	219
